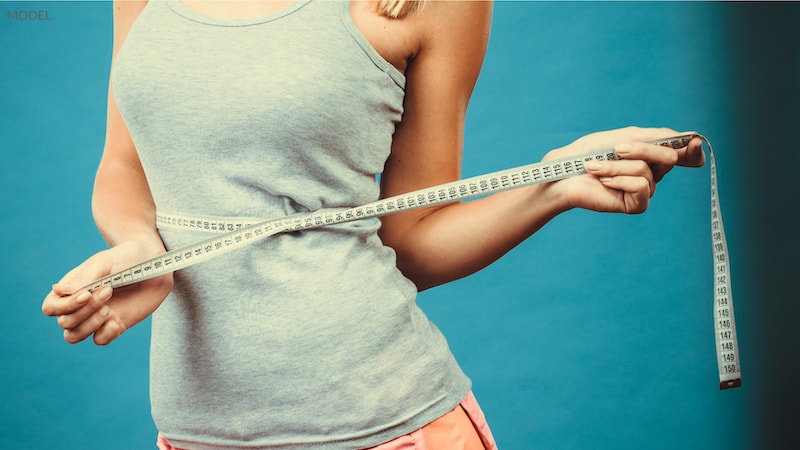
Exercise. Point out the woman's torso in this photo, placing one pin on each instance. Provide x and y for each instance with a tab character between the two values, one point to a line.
311	337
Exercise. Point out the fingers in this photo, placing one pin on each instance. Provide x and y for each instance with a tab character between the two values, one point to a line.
663	159
653	154
60	301
89	302
88	326
635	192
110	330
692	155
629	182
626	175
660	159
82	314
104	324
626	185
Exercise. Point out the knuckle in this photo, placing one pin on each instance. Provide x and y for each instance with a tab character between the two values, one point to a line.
109	332
673	157
65	322
101	339
71	337
640	168
640	207
636	133
552	154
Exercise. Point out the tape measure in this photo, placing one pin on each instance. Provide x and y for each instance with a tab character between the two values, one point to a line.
234	234
730	374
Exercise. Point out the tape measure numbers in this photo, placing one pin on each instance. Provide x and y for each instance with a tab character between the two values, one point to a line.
730	374
234	234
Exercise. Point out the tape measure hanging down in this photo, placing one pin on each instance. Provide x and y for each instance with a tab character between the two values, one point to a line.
232	235
730	374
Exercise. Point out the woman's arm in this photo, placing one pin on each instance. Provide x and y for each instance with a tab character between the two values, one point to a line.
444	243
427	146
120	174
125	215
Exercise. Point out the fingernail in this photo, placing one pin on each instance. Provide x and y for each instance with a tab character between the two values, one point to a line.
594	165
606	180
84	297
623	149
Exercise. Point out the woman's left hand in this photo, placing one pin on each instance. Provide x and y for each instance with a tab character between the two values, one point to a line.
624	185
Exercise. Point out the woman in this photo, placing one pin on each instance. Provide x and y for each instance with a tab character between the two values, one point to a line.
263	109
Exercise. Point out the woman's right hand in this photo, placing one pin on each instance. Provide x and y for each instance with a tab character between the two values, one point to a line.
104	313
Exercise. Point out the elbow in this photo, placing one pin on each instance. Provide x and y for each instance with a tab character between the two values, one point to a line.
429	271
424	266
409	265
422	279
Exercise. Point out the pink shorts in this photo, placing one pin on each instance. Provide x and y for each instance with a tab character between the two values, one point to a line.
464	428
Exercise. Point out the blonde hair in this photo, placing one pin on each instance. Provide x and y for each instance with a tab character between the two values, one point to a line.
397	9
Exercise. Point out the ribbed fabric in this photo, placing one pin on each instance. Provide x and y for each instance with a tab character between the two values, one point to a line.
463	428
305	340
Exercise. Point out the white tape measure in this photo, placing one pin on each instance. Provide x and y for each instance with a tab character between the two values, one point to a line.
234	234
730	373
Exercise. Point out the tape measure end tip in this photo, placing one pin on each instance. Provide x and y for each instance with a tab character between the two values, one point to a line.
729	384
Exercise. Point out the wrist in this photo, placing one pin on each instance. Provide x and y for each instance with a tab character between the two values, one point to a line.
550	199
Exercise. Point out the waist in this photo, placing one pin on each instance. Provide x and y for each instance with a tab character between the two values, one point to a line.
311	315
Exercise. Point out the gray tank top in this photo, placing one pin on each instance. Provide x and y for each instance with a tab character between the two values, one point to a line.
309	339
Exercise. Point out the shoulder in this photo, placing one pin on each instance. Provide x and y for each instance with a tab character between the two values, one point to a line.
442	18
453	37
442	23
125	14
453	32
439	25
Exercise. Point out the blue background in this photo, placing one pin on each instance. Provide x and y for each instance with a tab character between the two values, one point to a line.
595	333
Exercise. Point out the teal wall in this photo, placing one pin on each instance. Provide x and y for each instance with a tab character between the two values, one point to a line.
596	333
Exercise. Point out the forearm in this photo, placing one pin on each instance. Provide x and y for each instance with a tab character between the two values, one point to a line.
122	205
124	212
460	239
